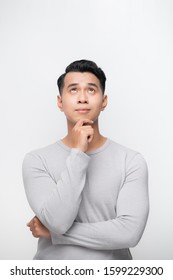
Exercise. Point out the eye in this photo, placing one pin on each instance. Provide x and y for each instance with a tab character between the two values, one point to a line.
91	90
73	90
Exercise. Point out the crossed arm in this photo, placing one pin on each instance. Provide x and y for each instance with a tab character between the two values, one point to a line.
122	232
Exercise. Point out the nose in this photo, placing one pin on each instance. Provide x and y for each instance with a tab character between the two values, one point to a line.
82	97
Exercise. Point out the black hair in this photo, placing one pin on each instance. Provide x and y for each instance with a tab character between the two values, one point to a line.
83	66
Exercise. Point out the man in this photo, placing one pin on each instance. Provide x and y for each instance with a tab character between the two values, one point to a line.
89	194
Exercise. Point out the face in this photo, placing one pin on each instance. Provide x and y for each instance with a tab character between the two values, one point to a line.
81	97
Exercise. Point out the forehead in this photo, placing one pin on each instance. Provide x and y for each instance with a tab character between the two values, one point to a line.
80	78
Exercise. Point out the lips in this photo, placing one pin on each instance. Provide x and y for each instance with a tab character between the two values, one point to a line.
83	109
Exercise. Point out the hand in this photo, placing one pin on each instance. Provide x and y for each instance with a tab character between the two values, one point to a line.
82	134
38	229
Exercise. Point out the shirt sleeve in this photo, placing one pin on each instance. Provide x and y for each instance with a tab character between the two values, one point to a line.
132	211
55	203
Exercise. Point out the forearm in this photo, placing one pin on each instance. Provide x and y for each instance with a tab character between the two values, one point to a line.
126	229
61	207
119	233
56	203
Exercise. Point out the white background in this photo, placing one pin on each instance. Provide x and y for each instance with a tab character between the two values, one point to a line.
132	41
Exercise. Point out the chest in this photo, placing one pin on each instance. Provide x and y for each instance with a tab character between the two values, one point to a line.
103	182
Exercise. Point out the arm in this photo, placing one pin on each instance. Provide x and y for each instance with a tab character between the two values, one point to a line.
55	203
132	211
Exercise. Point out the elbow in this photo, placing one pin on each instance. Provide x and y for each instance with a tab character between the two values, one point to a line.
127	241
133	241
130	238
135	236
60	228
56	224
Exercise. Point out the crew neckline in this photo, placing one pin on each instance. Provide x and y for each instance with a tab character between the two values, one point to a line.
98	150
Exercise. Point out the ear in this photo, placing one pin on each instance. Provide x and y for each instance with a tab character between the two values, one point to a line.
104	102
59	102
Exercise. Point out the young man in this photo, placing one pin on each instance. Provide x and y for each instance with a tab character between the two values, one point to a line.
89	194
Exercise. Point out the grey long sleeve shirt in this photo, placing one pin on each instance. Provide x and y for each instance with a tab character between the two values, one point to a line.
95	204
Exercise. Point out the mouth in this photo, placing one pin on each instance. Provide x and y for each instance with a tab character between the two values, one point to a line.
82	110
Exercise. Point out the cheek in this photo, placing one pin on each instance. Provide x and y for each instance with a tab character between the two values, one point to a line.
68	104
97	104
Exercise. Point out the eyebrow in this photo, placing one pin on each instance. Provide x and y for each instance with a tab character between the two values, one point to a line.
92	84
72	85
89	84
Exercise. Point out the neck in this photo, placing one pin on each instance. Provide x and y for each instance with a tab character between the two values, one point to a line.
97	141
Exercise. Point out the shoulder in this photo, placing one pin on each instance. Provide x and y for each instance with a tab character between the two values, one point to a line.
129	156
41	155
122	150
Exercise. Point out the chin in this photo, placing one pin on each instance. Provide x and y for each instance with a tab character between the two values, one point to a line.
74	121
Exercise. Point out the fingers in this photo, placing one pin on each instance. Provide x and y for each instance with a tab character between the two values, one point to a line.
82	134
34	224
29	223
83	128
82	122
34	219
38	229
90	138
